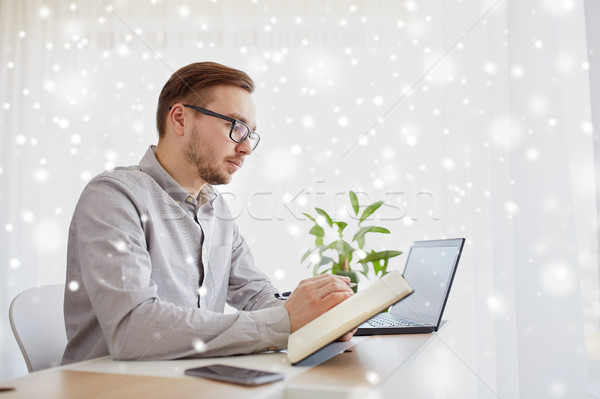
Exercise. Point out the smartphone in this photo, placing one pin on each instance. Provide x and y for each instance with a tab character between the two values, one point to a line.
237	375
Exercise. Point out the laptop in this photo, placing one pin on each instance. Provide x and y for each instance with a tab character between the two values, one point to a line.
430	268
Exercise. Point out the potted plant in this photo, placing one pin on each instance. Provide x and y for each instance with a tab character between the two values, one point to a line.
338	255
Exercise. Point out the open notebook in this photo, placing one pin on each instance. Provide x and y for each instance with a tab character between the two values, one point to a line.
347	315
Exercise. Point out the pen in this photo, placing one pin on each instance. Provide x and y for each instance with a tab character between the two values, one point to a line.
284	295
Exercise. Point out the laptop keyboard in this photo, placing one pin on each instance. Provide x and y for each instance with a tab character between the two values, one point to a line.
386	320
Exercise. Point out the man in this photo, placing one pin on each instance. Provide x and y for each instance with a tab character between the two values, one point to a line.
154	253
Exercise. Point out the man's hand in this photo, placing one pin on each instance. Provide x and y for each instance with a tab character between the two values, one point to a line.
314	296
348	336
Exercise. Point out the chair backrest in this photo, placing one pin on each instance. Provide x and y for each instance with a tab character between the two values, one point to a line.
37	320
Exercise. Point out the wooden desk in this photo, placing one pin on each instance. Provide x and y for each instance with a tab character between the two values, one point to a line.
356	373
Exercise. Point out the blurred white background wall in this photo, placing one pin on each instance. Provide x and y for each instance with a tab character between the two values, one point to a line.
471	118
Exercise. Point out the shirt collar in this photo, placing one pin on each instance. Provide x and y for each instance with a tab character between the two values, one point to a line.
150	165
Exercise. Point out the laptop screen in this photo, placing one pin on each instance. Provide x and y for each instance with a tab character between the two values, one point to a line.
429	270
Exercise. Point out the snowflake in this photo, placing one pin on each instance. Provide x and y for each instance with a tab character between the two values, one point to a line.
14	263
73	285
199	345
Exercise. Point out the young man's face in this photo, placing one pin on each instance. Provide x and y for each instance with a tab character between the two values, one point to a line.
210	149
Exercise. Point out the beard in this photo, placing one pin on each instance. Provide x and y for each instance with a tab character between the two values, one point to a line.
202	158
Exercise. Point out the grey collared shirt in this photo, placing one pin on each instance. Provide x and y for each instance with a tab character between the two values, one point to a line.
150	268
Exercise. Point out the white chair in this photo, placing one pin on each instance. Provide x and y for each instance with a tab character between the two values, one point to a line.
37	320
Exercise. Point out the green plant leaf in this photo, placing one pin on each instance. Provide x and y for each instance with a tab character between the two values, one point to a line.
317	231
325	215
377	256
369	210
323	248
341	226
384	267
310	217
361	242
307	254
380	269
365	270
316	270
325	260
369	229
322	262
343	248
354	202
376	266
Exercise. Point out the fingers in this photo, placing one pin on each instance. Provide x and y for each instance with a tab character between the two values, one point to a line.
348	336
334	298
326	283
324	279
315	296
333	287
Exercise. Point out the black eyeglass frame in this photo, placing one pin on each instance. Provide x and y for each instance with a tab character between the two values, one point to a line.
233	122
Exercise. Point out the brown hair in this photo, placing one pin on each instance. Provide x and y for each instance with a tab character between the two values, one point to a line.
192	84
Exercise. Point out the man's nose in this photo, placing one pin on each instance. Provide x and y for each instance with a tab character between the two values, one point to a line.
245	147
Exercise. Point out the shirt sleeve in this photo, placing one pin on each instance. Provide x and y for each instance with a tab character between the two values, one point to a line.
108	248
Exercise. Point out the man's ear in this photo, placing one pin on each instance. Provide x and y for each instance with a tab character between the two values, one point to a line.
176	119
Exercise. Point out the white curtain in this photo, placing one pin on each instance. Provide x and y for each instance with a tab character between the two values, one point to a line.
472	118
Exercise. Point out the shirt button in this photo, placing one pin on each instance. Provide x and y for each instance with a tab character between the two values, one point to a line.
178	202
204	250
189	199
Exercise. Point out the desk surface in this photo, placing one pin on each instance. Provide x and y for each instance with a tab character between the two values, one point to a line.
367	369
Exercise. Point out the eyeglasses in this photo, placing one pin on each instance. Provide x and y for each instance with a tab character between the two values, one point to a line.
239	130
